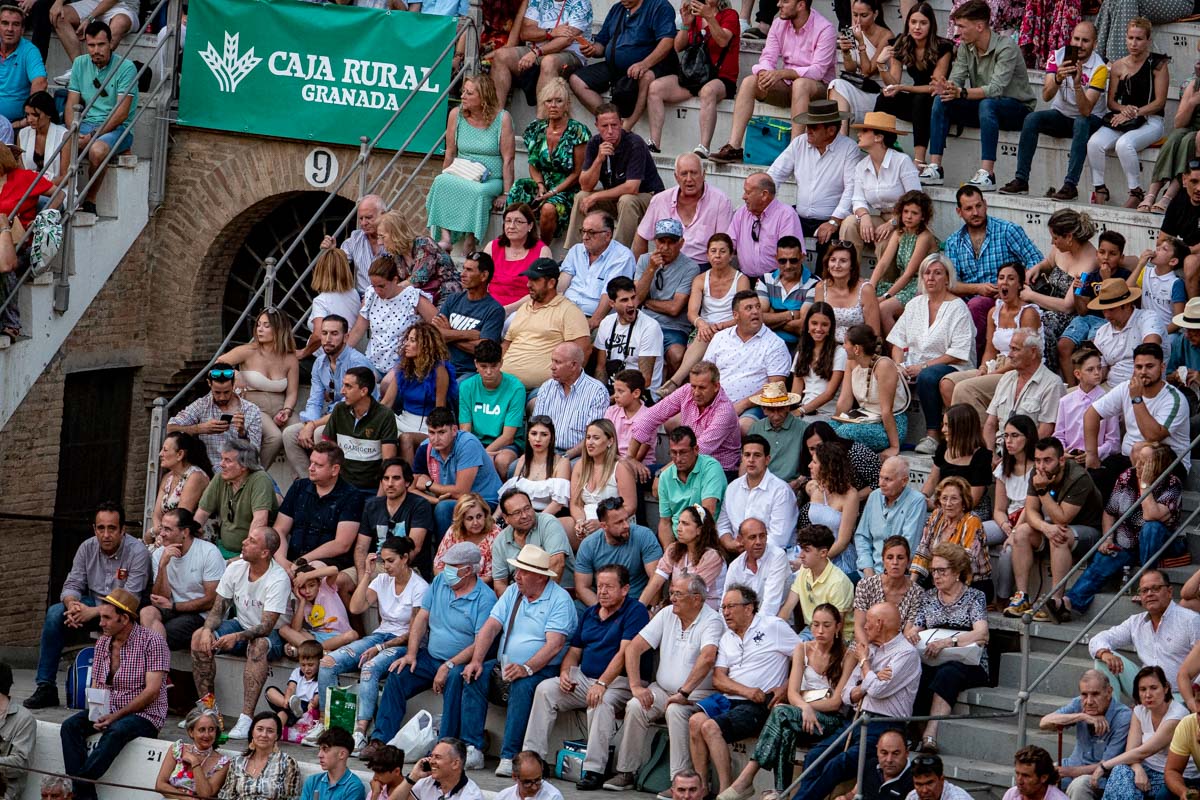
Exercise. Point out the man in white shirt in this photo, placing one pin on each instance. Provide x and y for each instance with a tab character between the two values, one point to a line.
528	778
760	494
440	776
753	661
1125	327
185	571
589	266
762	566
1162	634
821	162
1153	410
686	634
1072	87
929	782
627	338
364	244
749	355
260	592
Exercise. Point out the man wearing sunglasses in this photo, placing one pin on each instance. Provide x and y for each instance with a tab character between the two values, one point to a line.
784	293
760	225
107	81
1182	220
219	414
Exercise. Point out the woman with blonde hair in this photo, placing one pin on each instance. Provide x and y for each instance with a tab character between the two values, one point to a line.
422	380
555	144
421	263
336	293
475	523
599	474
269	376
951	522
478	131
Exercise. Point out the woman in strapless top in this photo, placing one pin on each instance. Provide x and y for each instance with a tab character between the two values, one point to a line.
269	377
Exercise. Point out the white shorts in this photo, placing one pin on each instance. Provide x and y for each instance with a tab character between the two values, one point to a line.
860	102
408	422
85	8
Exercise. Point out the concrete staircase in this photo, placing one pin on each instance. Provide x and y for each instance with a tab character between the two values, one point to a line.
97	245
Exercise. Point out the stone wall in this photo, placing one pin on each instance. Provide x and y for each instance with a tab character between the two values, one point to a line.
158	313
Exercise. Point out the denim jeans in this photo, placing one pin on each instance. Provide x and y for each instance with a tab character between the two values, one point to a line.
1058	125
930	395
1105	567
79	763
520	704
464	714
991	116
1164	793
840	766
443	514
54	631
346	659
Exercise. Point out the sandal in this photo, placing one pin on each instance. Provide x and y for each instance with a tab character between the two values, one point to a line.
290	651
1164	200
929	745
1136	198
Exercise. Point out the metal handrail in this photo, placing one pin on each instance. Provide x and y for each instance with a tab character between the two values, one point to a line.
1026	686
66	186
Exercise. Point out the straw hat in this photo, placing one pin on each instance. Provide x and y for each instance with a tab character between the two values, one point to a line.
533	559
880	121
1114	292
1190	318
122	600
775	395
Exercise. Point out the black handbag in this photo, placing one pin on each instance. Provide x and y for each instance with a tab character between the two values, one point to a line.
862	82
1124	127
695	67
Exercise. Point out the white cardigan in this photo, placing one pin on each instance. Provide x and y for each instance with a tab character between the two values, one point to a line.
952	333
26	139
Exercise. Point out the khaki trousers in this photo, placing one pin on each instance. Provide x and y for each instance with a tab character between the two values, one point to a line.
635	736
627	210
549	699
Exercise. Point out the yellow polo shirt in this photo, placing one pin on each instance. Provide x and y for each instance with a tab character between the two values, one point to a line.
535	332
1183	741
831	587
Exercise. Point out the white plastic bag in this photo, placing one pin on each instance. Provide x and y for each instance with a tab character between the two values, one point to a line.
417	737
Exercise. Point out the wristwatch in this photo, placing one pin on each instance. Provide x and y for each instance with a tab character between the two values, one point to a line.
1137	401
428	484
954	640
602	683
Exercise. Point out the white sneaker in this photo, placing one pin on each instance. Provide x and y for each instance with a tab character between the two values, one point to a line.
242	729
310	738
505	768
296	705
932	175
983	181
927	446
64	79
700	150
360	741
474	757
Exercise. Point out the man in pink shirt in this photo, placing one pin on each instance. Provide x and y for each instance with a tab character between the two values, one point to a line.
701	209
805	42
704	407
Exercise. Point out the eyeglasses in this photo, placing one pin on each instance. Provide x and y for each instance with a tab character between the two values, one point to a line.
940	570
529	784
1008	435
221	374
781	260
756	229
671	595
473	255
600	232
1147	589
842	244
731	606
96	83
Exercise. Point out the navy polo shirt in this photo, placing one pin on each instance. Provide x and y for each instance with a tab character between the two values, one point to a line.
315	519
600	639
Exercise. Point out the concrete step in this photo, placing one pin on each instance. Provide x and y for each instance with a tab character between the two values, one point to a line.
979	778
1004	698
1063	681
991	740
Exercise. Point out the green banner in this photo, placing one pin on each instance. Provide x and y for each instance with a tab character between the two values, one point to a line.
323	73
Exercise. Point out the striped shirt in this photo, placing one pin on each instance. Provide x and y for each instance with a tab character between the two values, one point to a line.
206	409
144	651
361	252
571	412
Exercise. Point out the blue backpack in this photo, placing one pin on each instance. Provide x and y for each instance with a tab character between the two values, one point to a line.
79	677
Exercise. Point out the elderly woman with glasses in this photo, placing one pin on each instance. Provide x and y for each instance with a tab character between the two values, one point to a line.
555	143
195	768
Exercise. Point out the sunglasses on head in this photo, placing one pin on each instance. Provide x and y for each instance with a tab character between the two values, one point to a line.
1194	164
221	374
756	229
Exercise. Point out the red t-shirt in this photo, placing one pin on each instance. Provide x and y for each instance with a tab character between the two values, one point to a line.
18	181
727	19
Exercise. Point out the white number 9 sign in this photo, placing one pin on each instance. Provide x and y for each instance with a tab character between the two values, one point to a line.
320	168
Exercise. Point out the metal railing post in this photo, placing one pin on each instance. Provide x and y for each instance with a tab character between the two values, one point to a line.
167	91
471	48
364	152
1023	692
158	424
269	282
62	282
863	728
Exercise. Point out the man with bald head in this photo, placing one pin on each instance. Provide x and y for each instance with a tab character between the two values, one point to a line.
883	684
758	226
762	566
1101	728
363	245
1073	88
570	398
701	209
894	509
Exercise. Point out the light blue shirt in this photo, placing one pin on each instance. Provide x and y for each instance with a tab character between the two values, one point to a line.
553	612
641	549
1092	749
589	280
466	452
322	398
446	8
905	517
348	787
17	74
458	619
571	412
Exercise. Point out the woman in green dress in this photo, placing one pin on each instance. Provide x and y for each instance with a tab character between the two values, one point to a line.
555	143
479	131
896	271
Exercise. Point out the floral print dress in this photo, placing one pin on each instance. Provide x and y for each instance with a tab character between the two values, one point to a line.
554	166
430	269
